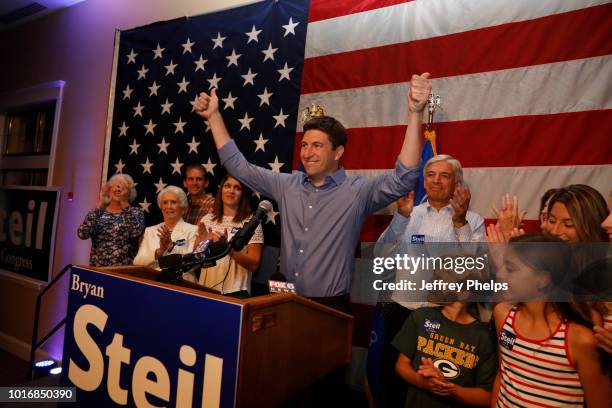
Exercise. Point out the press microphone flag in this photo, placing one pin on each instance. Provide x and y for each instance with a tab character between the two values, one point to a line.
242	237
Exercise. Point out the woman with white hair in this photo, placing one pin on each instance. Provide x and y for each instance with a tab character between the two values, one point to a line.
173	235
115	226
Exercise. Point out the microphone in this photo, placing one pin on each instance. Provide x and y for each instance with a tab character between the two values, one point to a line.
205	250
242	237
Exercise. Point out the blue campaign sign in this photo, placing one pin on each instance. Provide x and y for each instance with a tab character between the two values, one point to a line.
137	344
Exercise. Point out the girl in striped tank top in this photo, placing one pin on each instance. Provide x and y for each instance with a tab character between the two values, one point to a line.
548	357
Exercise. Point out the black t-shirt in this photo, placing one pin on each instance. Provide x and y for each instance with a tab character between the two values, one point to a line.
465	353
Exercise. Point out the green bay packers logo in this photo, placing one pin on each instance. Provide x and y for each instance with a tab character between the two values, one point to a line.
448	368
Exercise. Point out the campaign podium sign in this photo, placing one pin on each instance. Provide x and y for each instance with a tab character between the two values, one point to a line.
134	343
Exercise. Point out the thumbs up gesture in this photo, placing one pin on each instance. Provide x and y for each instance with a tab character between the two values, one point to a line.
207	105
420	88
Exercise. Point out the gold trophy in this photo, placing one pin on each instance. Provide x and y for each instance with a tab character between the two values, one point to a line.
310	112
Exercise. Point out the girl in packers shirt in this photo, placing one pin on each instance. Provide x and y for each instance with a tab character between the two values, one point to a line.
447	355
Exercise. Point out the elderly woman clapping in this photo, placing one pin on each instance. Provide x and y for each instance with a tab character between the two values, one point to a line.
114	227
173	235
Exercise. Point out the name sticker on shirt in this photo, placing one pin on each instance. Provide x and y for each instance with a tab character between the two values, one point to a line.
417	239
507	339
432	326
234	230
180	242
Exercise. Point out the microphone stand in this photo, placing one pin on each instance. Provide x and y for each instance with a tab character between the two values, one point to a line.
173	274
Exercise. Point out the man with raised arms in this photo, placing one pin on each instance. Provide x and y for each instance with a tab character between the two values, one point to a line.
323	209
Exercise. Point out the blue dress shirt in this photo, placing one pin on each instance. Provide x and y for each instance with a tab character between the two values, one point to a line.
320	225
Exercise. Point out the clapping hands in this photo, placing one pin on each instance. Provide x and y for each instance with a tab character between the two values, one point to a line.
433	379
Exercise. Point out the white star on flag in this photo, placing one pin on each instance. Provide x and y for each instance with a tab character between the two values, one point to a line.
187	46
127	92
248	77
246	121
260	143
280	119
166	107
200	63
269	53
159	186
176	166
218	41
142	72
163	146
144	205
284	73
193	103
179	126
193	145
214	81
119	166
153	88
138	109
158	52
232	59
131	57
253	35
150	127
264	97
134	147
146	166
170	68
183	85
209	166
290	27
229	101
123	129
276	165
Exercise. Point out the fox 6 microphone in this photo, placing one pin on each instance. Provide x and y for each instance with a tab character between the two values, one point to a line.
242	237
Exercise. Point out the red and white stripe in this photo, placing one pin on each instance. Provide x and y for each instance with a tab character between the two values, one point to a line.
526	88
538	373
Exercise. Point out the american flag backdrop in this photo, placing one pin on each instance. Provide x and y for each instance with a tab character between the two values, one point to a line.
526	90
253	55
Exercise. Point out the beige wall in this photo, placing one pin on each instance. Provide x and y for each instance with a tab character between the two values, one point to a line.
74	45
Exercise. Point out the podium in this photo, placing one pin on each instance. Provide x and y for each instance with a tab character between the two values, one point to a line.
133	341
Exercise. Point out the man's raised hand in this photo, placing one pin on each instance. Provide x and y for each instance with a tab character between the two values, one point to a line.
418	94
207	105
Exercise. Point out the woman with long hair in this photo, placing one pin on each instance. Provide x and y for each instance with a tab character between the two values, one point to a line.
575	214
578	213
232	209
